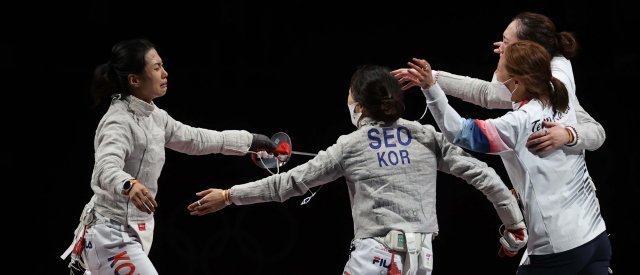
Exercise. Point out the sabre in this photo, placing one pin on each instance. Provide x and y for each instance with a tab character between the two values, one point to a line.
279	157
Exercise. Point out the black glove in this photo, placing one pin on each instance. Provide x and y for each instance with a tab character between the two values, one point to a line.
262	142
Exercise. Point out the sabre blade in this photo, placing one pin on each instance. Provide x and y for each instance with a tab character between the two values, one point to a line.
303	153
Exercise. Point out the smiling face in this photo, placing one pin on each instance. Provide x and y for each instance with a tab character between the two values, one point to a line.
153	82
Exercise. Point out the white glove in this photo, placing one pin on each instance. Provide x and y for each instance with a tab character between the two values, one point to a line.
513	239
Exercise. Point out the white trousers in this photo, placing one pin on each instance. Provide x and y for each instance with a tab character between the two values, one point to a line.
369	256
115	249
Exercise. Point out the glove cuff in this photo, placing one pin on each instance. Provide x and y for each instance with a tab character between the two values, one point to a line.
507	246
510	214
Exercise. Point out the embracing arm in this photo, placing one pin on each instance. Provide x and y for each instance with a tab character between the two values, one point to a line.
474	134
590	133
587	134
473	90
478	135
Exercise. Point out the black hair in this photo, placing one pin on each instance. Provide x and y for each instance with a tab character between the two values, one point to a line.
375	89
127	57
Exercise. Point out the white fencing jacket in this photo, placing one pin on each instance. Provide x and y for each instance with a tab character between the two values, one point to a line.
390	171
482	93
560	204
129	143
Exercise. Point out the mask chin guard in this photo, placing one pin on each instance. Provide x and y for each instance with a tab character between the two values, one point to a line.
274	158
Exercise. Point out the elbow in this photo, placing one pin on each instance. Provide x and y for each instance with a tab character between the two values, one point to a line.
602	136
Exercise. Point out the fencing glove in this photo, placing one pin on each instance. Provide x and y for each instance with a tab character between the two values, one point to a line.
261	142
513	239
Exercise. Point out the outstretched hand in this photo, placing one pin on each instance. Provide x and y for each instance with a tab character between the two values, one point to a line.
552	137
212	200
418	74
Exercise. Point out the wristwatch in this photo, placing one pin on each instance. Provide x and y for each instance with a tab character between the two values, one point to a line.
127	185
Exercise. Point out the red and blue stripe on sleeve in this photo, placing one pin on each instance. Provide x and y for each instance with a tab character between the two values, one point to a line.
480	136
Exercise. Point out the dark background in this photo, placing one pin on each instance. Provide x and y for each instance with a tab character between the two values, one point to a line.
270	67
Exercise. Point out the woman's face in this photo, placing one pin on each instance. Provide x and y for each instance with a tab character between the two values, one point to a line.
510	35
501	72
511	82
153	83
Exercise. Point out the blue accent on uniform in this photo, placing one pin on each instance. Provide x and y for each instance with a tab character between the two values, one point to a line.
381	159
375	141
472	137
404	154
393	157
400	136
387	136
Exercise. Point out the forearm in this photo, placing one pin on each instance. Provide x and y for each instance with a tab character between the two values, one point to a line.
198	141
509	212
448	120
473	90
482	177
278	187
321	169
109	174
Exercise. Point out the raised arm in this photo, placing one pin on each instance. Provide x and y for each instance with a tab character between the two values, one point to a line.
484	136
473	90
477	135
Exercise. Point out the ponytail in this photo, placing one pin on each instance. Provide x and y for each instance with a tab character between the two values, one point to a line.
567	44
127	57
390	109
101	84
558	97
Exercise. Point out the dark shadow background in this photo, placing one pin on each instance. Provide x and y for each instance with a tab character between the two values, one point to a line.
271	66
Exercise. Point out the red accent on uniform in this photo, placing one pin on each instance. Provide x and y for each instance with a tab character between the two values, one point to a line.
522	103
77	249
142	226
393	268
130	266
122	256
